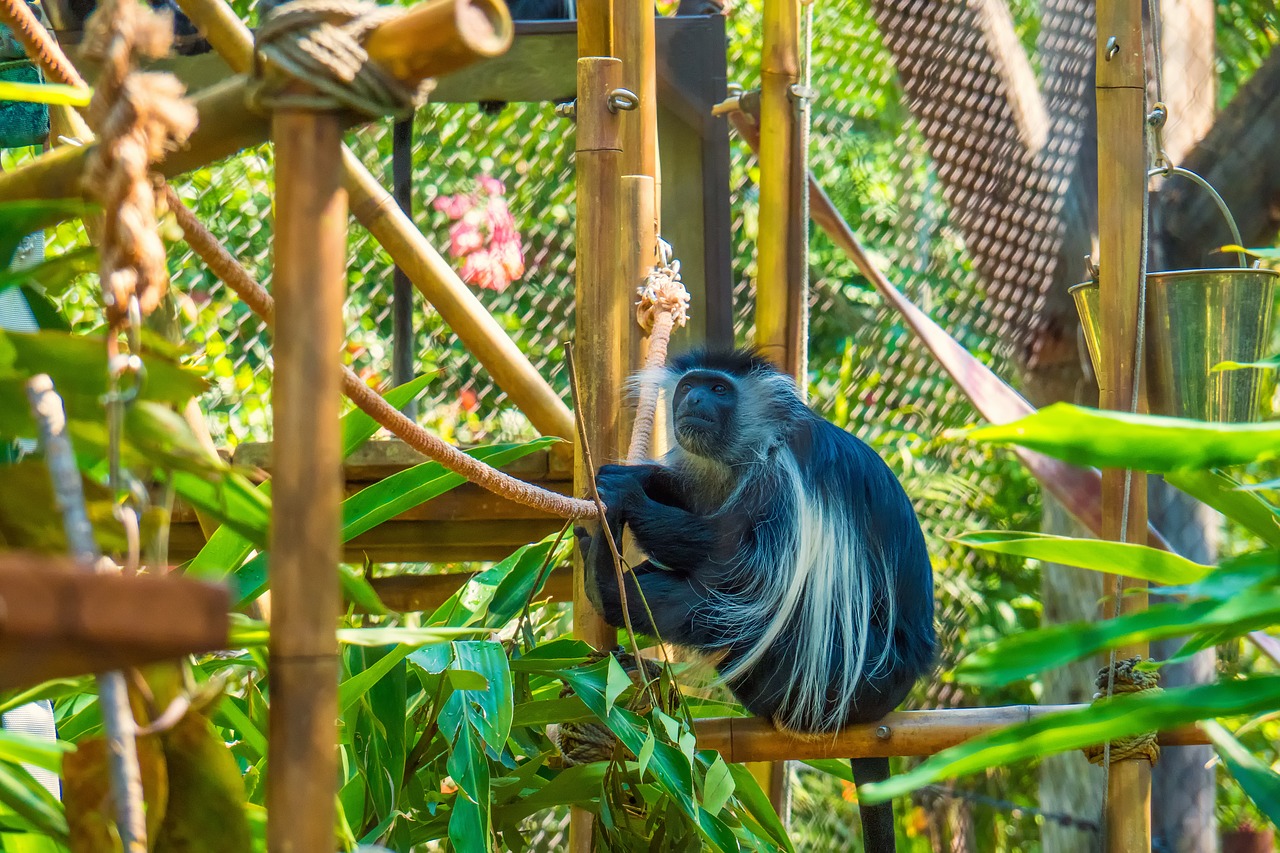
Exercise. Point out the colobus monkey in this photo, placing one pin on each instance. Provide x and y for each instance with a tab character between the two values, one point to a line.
782	545
558	10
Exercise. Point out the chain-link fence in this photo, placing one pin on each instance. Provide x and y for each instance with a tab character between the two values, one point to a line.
493	191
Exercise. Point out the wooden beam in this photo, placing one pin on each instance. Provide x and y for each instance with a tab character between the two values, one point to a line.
61	621
743	739
416	593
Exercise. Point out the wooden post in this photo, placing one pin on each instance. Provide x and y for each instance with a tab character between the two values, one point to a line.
1122	209
602	314
639	220
634	41
780	316
310	277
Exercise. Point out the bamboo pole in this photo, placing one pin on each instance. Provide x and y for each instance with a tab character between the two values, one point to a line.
601	319
780	241
745	739
310	277
633	38
1122	210
595	27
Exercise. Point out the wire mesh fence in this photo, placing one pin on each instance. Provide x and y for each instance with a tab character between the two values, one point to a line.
494	193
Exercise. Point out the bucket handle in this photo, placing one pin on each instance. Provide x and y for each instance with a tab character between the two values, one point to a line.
1166	171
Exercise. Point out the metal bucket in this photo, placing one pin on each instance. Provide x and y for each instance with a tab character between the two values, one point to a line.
1195	320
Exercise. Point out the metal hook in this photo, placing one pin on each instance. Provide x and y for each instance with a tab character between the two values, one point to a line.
1113	47
622	100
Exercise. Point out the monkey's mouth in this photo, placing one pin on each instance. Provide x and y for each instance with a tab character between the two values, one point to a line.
695	423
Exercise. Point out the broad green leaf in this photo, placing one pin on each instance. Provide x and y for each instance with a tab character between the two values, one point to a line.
232	500
351	690
544	712
491	596
232	716
1084	436
578	785
358	427
20	218
359	591
1125	715
616	681
518	585
718	786
837	767
748	792
378	730
1022	655
645	755
412	637
19	748
404	490
1225	494
45	93
1116	558
495	704
46	313
1266	253
54	274
549	658
1259	781
31	802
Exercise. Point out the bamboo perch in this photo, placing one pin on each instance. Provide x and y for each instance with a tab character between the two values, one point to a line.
743	739
306	515
1122	212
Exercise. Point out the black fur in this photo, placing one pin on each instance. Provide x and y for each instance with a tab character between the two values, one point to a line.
722	521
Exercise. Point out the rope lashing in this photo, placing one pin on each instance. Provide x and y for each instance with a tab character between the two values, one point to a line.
1127	679
309	54
663	306
138	116
585	742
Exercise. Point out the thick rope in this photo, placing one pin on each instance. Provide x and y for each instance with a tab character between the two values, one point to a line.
1123	676
36	41
587	742
229	270
663	306
310	54
138	117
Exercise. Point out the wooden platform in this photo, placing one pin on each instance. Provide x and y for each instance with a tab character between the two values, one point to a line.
467	523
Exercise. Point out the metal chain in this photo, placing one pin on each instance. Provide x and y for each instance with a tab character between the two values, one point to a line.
126	374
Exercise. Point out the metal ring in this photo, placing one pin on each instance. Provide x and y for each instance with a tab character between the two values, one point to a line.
622	100
1158	116
1167	170
1113	47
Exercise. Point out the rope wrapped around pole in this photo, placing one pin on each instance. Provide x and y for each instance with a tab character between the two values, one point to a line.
663	307
1127	679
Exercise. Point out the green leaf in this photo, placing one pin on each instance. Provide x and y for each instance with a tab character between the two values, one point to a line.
544	712
358	427
404	490
18	748
578	785
616	681
1024	654
748	792
1270	363
355	687
413	638
357	590
645	754
232	500
718	786
45	93
53	275
20	218
31	802
1125	715
1259	781
1085	436
1116	558
495	704
1226	495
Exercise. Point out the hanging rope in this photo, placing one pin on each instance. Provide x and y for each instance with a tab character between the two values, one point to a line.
138	117
309	54
663	307
1124	677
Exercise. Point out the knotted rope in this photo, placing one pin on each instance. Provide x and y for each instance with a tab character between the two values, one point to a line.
663	307
1127	679
138	117
309	54
585	742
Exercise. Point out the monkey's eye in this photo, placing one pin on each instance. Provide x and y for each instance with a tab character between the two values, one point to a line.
686	387
720	388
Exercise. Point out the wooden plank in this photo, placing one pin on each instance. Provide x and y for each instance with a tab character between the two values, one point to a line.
381	458
60	621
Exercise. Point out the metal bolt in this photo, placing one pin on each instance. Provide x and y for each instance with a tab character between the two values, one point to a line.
623	100
1158	116
568	110
883	733
1113	47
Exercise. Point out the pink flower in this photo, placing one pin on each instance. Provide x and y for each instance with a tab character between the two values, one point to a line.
484	235
464	237
484	270
491	185
453	206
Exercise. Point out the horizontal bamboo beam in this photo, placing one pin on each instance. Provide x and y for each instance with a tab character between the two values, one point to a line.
743	739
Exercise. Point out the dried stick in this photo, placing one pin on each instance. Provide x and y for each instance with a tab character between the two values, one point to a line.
113	694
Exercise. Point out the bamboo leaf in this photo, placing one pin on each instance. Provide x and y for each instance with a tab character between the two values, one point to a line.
1259	781
1084	436
1024	654
1116	558
1125	715
19	748
748	792
718	786
1226	495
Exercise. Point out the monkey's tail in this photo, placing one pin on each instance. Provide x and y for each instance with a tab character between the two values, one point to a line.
877	821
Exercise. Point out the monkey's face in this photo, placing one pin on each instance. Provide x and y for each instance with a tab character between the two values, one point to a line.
703	410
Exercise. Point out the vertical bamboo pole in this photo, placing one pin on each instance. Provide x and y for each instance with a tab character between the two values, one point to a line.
639	255
595	27
1122	210
780	241
602	313
310	274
